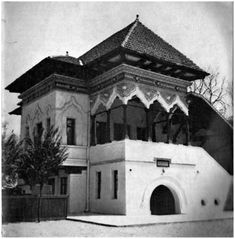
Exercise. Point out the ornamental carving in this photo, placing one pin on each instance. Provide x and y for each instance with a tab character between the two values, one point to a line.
93	100
105	95
168	97
48	109
125	89
28	119
37	113
71	102
149	92
147	95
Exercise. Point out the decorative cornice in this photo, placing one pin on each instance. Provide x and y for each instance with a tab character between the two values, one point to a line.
136	74
54	81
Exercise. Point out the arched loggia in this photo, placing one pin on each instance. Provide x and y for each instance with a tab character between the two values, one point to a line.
137	122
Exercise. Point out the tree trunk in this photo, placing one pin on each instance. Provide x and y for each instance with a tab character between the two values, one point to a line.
39	202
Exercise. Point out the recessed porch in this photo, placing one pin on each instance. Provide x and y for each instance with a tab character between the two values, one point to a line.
135	121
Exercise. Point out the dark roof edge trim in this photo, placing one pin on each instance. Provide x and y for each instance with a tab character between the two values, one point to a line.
213	108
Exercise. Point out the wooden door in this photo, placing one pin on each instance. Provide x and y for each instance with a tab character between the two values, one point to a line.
162	201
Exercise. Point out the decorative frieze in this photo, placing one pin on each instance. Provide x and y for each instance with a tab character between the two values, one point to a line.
149	92
138	75
126	90
54	81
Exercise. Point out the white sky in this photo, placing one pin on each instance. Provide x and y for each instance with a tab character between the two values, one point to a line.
31	31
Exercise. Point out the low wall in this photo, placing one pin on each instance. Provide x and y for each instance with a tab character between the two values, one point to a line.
24	208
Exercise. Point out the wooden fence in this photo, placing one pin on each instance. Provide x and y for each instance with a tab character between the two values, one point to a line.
24	208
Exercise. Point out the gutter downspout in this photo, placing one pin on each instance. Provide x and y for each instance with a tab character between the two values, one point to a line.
87	208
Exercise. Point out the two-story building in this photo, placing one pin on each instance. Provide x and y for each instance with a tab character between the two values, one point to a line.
138	143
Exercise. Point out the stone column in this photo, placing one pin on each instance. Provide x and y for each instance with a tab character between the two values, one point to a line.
93	130
125	121
188	141
169	138
108	138
148	128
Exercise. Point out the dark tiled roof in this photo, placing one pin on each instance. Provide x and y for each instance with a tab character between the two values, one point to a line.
107	45
139	38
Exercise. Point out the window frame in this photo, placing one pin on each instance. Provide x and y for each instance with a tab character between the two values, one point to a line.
141	133
118	129
39	126
63	186
98	184
27	133
115	184
72	140
101	128
53	185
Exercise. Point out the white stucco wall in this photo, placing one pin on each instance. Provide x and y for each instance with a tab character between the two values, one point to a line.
76	106
107	204
192	176
107	152
59	105
77	193
38	111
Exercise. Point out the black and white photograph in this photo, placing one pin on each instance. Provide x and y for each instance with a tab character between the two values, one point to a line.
117	119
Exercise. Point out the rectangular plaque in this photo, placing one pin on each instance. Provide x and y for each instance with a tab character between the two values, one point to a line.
161	162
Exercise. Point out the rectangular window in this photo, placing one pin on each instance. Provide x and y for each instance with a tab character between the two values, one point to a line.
98	185
39	129
51	182
141	133
63	186
119	131
48	124
100	132
115	184
70	131
27	132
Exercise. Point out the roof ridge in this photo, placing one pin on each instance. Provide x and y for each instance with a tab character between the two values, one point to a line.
129	33
167	43
105	40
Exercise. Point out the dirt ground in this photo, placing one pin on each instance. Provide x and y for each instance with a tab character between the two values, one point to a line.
65	228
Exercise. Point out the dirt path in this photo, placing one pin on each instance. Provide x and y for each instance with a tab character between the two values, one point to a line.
64	228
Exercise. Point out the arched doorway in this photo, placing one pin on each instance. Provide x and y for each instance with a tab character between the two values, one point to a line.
162	201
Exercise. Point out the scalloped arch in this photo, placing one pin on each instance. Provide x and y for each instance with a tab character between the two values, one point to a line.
140	94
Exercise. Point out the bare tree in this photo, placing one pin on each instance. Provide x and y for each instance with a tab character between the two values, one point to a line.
212	88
